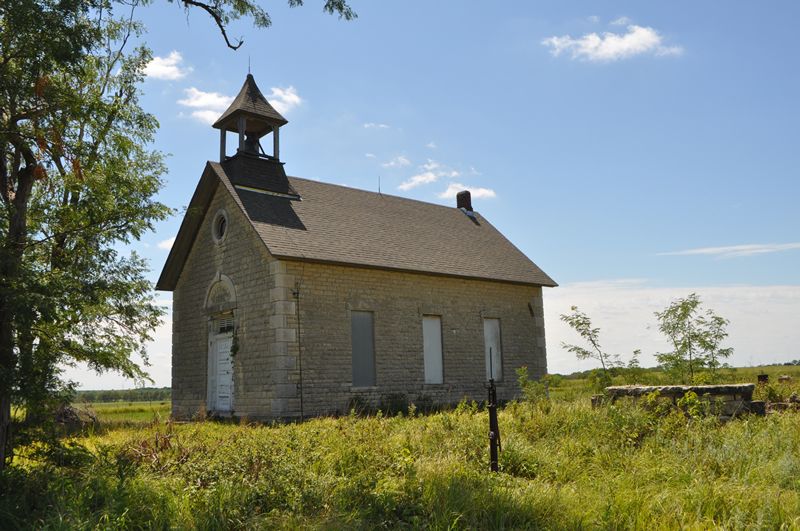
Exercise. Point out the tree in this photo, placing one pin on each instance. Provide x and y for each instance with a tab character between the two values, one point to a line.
225	11
77	181
696	336
582	324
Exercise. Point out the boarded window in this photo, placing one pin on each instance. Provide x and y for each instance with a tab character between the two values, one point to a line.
494	349
362	333
432	348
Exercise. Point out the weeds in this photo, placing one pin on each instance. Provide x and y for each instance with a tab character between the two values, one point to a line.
645	465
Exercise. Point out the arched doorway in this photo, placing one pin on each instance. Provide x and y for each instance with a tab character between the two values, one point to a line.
220	308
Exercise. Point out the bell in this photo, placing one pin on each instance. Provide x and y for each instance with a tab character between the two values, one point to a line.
251	144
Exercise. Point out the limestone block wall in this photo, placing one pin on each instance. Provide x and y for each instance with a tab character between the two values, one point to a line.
241	257
328	293
270	294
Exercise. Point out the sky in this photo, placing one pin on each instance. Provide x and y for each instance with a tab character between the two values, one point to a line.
636	151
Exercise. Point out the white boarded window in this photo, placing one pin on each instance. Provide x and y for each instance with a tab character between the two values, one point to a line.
494	349
362	334
432	348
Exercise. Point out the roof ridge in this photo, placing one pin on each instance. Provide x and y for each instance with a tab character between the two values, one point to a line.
393	196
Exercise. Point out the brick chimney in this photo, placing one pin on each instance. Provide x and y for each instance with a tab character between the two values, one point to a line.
464	200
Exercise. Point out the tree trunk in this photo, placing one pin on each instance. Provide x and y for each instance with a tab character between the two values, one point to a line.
7	363
6	370
10	264
5	429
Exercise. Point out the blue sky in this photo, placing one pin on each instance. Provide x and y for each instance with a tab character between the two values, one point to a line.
636	151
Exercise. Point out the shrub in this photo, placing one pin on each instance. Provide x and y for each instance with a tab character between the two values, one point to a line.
394	403
532	391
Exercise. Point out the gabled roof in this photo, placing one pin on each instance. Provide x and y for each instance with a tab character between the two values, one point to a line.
342	225
252	104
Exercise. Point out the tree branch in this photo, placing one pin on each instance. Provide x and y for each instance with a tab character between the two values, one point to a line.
217	18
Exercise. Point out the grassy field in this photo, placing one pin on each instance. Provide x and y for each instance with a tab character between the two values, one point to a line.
563	466
128	412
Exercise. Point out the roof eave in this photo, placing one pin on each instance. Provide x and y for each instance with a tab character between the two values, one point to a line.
295	258
228	120
184	240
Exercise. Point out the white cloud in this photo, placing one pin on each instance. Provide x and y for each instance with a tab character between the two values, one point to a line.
621	21
476	192
284	99
398	162
370	155
732	251
419	179
372	125
431	165
166	244
196	98
168	67
612	46
206	116
210	105
431	172
762	319
439	169
594	19
431	145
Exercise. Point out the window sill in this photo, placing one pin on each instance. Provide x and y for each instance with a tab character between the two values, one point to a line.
356	389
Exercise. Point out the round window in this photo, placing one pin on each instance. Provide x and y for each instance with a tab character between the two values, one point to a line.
220	226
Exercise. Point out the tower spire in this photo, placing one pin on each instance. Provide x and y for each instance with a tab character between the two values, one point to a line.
252	117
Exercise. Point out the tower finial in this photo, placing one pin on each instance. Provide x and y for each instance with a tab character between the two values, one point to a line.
248	64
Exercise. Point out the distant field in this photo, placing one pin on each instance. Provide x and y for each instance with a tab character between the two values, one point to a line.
132	412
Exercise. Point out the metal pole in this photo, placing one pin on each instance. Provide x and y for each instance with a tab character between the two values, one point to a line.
494	428
299	347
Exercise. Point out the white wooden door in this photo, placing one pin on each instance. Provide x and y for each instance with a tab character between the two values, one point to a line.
224	392
432	348
493	346
220	364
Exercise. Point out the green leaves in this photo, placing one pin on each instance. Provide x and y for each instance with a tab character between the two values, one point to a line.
79	178
696	335
582	324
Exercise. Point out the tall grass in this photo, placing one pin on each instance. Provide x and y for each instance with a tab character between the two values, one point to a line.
563	465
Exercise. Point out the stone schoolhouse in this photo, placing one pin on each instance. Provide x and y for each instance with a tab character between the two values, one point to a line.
294	297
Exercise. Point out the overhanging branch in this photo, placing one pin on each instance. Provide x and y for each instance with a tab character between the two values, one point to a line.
217	18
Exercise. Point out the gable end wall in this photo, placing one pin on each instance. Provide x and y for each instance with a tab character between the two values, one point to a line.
243	258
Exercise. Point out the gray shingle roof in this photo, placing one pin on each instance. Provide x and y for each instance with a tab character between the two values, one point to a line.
252	104
337	224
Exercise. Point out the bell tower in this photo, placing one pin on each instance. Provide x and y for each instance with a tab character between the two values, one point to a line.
251	117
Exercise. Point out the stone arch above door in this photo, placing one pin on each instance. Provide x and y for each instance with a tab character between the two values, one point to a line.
221	295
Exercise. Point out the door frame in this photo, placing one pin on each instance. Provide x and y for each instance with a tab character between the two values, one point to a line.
212	360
